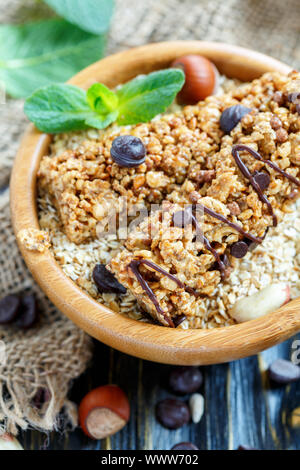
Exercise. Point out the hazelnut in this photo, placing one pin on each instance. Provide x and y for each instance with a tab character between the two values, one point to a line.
281	135
201	78
9	442
104	411
276	123
234	208
278	98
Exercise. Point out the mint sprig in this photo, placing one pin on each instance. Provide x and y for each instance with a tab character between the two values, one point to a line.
37	54
63	108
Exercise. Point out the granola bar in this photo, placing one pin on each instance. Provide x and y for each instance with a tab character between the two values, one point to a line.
251	182
173	250
186	152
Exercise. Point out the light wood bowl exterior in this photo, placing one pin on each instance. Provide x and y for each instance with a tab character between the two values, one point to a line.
151	342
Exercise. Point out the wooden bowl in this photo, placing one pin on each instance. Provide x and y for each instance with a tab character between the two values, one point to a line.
155	343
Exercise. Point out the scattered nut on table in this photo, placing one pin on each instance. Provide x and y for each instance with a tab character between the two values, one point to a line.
9	442
196	403
104	411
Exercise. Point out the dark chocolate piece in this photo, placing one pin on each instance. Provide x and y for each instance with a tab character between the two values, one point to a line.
185	446
106	281
185	379
239	249
128	151
284	372
178	320
28	315
232	116
262	179
9	309
172	413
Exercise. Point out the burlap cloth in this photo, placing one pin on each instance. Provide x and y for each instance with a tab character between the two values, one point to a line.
55	351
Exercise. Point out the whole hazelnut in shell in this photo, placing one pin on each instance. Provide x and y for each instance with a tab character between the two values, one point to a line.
104	411
201	78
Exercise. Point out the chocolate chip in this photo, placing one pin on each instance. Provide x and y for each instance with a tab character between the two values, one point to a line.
283	372
28	312
9	308
242	447
185	379
178	320
172	413
128	151
182	218
232	116
239	249
185	446
262	179
106	281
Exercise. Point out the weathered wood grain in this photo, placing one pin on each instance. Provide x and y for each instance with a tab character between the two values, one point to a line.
240	406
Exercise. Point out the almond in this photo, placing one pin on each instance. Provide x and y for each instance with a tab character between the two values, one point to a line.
261	303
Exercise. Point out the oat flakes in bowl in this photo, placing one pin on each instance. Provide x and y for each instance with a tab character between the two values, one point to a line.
190	161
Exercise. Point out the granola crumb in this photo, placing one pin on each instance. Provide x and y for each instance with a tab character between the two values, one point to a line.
34	240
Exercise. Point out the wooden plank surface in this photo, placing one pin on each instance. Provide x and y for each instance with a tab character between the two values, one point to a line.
240	406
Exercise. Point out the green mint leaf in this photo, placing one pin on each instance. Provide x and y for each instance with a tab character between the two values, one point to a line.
101	121
101	99
62	108
36	54
91	15
144	97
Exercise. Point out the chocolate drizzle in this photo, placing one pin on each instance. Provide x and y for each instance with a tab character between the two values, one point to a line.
134	266
188	217
208	246
221	217
245	171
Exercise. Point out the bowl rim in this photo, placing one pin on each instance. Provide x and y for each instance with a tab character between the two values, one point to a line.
146	341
